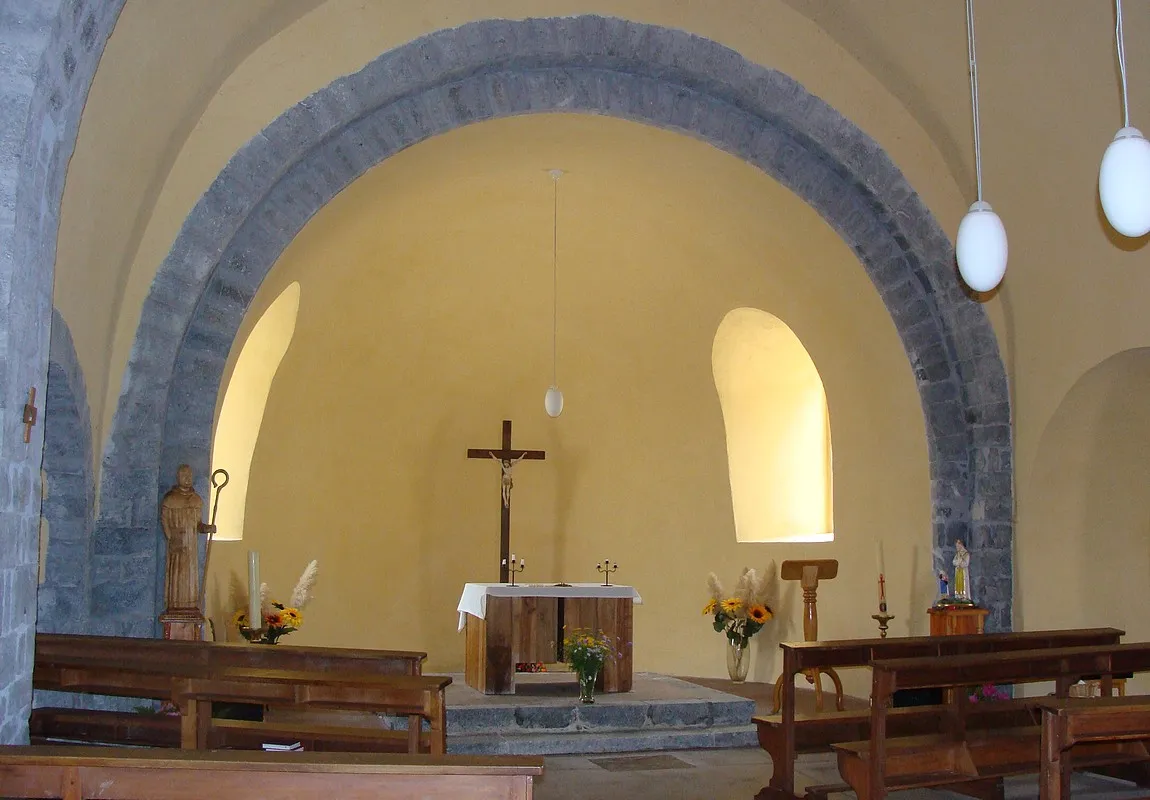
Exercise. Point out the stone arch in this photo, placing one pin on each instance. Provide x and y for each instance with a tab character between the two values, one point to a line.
588	64
63	600
51	51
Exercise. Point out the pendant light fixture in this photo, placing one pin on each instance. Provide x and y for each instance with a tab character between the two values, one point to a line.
980	247
553	400
1124	177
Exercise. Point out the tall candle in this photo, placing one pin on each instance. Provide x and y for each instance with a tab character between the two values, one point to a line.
255	618
880	560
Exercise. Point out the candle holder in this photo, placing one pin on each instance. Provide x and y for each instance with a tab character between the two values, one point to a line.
883	620
513	569
254	635
606	569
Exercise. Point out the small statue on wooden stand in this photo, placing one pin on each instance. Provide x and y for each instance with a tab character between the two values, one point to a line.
181	517
961	596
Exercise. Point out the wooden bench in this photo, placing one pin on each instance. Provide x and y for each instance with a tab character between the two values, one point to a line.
788	733
960	755
1067	723
146	668
418	697
80	773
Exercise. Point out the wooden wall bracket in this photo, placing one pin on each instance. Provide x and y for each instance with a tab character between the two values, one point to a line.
30	413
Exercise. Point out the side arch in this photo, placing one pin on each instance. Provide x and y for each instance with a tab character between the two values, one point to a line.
63	600
1088	488
588	64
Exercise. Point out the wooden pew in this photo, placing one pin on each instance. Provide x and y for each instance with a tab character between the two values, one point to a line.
418	697
145	668
1067	722
959	755
786	734
80	773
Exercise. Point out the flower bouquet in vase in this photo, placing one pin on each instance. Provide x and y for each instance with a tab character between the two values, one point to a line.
279	619
586	652
739	615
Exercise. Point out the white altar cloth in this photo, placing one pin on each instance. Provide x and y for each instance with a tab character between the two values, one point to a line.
473	601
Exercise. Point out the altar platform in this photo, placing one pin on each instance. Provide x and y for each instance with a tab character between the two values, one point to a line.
545	717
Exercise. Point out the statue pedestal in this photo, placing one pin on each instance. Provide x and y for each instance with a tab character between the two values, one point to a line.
956	620
183	623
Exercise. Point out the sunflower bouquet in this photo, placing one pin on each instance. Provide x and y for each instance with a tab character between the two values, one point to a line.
279	619
744	612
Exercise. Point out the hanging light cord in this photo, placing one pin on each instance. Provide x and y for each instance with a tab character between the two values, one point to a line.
974	93
555	286
1122	62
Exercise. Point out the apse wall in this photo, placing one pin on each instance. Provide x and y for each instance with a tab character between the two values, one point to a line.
425	320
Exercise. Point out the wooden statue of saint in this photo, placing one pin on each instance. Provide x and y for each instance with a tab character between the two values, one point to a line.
181	515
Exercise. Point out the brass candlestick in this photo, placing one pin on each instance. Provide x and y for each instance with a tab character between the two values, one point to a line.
607	569
883	620
516	566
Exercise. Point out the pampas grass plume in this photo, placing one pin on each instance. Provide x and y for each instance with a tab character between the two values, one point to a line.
302	592
715	588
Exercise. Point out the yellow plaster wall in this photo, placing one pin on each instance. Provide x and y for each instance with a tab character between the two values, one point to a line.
425	319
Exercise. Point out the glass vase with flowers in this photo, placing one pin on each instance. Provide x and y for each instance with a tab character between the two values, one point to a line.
586	652
739	615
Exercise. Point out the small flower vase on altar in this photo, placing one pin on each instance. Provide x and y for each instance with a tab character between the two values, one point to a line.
587	679
738	660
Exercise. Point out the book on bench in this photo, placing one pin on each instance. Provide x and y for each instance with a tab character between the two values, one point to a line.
272	747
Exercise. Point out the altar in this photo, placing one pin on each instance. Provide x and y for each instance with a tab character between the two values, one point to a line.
508	625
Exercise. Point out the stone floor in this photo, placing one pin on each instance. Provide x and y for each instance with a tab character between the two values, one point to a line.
739	774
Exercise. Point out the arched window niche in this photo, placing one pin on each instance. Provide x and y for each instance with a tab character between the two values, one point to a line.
777	428
242	409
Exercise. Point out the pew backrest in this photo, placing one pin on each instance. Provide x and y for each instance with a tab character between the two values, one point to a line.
79	773
58	653
1064	665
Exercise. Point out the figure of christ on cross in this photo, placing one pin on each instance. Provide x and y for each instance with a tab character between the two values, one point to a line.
507	459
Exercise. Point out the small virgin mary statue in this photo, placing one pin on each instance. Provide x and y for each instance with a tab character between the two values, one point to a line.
961	571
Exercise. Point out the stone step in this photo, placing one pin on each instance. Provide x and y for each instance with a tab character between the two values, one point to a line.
602	741
568	717
545	717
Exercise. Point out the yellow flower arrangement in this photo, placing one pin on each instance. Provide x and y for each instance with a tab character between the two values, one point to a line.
279	619
741	614
585	650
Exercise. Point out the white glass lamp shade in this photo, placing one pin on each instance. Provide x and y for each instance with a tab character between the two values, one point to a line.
1124	183
553	402
981	248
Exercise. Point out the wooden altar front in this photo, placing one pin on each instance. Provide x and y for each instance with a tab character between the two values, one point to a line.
508	625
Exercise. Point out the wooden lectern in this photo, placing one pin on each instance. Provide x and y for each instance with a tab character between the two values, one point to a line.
809	573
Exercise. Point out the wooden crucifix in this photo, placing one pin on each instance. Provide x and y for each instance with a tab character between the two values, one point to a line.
507	459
